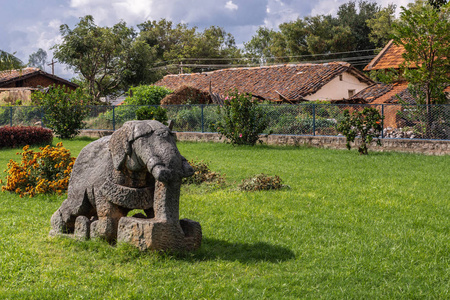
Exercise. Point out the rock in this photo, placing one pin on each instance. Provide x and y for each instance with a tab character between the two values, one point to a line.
153	234
82	228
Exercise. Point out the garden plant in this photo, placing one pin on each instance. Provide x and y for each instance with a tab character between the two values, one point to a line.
242	119
367	124
64	110
45	171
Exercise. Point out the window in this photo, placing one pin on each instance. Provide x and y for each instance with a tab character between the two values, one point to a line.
340	77
351	93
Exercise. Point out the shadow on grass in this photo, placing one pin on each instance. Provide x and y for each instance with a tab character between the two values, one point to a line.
213	249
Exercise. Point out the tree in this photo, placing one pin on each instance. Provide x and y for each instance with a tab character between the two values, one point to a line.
109	59
326	35
355	17
437	4
9	61
38	59
321	34
262	45
176	44
424	32
382	25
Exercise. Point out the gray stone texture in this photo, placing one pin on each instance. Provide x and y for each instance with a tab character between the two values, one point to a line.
137	167
154	234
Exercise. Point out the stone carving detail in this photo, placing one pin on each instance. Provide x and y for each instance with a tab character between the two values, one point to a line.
138	167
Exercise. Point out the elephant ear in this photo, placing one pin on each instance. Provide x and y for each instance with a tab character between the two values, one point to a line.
119	145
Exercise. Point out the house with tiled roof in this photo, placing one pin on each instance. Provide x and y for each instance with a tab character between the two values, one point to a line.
390	57
291	83
19	84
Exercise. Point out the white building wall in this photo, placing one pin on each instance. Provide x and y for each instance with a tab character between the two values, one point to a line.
338	89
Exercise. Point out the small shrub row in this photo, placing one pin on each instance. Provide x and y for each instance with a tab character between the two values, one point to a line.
47	171
16	136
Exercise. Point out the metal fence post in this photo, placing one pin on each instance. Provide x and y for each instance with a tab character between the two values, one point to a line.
10	116
314	118
202	119
382	121
42	117
114	119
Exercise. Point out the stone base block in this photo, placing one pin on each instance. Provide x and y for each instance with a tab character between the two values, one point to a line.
82	228
151	234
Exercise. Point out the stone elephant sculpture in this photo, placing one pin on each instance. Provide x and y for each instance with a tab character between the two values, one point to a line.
137	167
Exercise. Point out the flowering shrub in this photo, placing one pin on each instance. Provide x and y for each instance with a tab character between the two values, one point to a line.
202	173
241	119
47	171
24	135
261	182
64	111
366	123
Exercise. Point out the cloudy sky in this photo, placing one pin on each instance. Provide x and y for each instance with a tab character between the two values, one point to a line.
27	25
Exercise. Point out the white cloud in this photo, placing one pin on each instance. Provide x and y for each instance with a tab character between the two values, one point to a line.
231	6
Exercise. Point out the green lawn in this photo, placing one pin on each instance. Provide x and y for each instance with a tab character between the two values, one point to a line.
350	226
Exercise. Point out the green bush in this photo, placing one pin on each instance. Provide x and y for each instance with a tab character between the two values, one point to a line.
152	113
146	95
366	123
64	111
242	120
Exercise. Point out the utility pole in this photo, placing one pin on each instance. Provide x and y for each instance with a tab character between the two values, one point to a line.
53	66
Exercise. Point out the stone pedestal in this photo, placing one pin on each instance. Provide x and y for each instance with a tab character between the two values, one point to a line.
155	234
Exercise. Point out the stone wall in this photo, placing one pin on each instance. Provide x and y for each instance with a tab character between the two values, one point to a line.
438	147
334	142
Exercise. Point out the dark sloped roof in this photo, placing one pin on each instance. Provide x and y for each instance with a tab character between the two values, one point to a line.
381	93
9	76
373	92
291	82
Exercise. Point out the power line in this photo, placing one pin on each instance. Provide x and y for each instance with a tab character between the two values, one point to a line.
271	57
356	60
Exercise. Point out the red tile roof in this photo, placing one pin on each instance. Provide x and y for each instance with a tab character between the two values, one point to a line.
8	76
14	74
389	57
292	82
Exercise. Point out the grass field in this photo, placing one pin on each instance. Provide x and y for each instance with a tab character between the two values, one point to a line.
350	226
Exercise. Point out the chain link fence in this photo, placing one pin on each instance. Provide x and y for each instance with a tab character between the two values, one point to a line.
400	120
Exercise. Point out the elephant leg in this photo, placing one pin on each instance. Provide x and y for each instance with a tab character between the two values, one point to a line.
63	220
109	215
